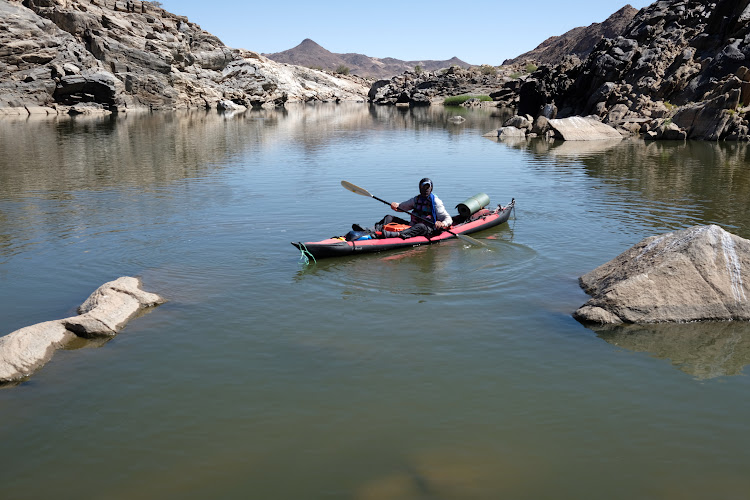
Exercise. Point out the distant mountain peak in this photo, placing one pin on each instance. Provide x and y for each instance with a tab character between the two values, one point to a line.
309	42
312	55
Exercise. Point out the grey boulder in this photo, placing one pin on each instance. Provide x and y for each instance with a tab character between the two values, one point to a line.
699	273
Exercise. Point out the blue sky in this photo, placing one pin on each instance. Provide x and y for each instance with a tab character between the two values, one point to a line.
479	32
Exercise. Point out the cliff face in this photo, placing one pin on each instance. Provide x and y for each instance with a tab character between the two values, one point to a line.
680	64
113	55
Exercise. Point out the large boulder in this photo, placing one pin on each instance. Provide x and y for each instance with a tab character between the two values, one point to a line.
103	314
579	128
699	273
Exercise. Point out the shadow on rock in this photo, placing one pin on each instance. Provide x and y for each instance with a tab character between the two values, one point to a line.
704	350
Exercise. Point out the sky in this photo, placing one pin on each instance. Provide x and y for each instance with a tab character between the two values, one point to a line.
480	32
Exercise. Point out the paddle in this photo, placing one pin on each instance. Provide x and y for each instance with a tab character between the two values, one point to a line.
358	190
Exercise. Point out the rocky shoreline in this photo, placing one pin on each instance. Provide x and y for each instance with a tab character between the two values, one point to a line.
679	70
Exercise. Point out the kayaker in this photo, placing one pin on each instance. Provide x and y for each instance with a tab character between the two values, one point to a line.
427	206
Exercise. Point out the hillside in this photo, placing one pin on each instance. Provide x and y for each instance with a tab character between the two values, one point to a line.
578	41
679	70
311	55
74	56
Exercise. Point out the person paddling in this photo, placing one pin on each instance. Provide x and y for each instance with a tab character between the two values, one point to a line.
426	205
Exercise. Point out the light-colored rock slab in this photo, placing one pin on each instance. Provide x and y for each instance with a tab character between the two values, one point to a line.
511	133
580	128
104	313
699	273
25	350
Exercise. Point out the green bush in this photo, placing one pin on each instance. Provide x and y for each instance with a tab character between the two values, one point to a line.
530	68
487	69
342	70
460	99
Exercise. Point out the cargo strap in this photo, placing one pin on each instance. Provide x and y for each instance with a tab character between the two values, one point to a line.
306	255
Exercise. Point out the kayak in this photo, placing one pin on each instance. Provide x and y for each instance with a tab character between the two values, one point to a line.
339	247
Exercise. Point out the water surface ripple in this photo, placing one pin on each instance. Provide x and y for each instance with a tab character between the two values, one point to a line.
444	371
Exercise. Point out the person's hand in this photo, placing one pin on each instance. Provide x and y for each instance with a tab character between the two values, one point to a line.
394	206
439	225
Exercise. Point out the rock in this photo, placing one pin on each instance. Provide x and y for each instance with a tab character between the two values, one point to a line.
518	121
227	105
578	128
511	133
617	114
671	132
699	273
549	111
25	350
708	120
541	125
104	313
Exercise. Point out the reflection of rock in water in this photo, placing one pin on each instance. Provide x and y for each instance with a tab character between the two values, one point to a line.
705	350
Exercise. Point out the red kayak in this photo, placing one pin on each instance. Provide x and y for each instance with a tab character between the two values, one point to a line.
337	247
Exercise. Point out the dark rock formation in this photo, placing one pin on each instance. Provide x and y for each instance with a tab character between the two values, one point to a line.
679	70
686	54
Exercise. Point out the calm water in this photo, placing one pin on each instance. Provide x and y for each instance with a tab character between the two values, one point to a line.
443	372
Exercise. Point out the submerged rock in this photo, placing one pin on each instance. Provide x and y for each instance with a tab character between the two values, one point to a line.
699	273
103	314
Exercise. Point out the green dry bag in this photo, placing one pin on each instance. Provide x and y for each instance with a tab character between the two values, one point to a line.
473	205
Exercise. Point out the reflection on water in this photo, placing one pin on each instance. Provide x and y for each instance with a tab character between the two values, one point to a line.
704	350
448	268
447	371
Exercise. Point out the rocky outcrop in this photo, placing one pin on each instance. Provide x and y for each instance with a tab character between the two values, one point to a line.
103	55
679	70
103	314
426	88
700	273
677	62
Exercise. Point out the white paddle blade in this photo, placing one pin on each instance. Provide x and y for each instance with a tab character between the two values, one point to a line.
356	189
470	240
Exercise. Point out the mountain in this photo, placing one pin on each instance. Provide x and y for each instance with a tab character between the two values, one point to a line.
578	41
311	55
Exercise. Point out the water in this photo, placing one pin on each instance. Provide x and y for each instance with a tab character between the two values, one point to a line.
451	371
